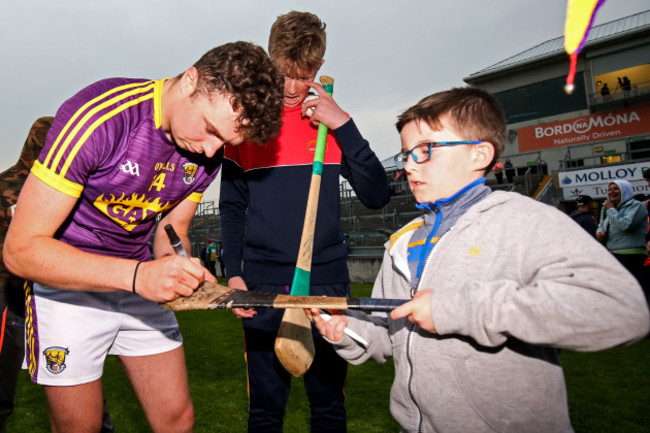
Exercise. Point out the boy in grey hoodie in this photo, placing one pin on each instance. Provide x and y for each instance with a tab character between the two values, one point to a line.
497	286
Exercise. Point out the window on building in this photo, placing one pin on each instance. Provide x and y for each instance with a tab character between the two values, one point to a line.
640	149
574	163
610	159
622	73
542	99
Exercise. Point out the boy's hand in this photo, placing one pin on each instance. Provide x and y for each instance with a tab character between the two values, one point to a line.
417	311
326	111
332	329
239	284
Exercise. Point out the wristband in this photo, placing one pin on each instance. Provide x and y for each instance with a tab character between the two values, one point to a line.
135	274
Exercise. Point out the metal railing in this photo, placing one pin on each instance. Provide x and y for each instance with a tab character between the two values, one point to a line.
639	89
589	161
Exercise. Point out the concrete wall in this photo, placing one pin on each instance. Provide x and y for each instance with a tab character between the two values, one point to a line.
364	270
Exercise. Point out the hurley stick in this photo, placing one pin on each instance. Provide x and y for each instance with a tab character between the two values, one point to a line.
213	296
294	344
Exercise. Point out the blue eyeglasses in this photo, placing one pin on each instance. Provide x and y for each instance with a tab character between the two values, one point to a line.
422	152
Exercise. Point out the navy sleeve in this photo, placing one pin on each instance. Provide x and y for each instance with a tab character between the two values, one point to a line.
233	202
361	167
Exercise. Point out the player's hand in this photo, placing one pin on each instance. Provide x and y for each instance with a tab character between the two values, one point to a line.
600	236
417	311
239	284
168	278
207	275
332	329
326	111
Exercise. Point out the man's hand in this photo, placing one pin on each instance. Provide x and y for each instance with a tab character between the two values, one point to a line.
417	311
332	329
326	111
207	275
168	278
239	284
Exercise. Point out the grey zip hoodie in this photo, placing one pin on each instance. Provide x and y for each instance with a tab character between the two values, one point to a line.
512	281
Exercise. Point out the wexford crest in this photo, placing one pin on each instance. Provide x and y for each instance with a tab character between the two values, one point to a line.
55	358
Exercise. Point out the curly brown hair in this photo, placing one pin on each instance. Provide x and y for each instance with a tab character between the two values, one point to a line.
297	42
244	71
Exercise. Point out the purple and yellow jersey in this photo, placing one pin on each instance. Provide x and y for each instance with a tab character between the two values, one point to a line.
107	148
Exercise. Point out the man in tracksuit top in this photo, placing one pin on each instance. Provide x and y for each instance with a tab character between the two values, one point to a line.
263	198
499	283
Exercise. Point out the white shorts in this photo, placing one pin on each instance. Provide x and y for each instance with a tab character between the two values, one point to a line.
69	333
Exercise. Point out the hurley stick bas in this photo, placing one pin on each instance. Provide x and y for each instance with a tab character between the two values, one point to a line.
294	344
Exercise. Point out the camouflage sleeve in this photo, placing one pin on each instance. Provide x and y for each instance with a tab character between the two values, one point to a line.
12	180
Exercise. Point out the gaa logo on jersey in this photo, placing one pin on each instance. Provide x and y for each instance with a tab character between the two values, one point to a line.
55	358
189	173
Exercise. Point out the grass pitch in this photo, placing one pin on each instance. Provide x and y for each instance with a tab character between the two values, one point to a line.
608	391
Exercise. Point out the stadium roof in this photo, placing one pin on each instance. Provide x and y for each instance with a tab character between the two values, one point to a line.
598	34
388	162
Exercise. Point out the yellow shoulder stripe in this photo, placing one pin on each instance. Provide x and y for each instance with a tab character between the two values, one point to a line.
195	197
57	181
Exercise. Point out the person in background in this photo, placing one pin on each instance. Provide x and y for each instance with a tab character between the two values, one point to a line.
646	177
510	171
12	295
203	255
623	228
646	202
604	91
498	172
211	253
582	215
222	266
497	283
626	85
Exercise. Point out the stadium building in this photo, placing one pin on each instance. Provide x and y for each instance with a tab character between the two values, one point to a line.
600	132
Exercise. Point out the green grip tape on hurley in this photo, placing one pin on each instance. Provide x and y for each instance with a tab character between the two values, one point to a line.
317	168
300	284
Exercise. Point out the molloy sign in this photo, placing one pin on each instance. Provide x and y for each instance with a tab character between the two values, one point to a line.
602	175
600	191
596	127
594	181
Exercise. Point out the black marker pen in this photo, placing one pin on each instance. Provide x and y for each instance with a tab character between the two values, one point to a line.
176	241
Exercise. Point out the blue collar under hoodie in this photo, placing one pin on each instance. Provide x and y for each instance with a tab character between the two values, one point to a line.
439	217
